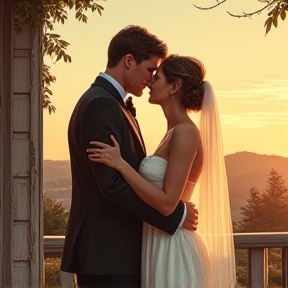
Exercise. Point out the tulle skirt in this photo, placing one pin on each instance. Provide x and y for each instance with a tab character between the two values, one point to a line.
177	261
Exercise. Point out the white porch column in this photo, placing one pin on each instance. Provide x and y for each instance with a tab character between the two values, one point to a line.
21	232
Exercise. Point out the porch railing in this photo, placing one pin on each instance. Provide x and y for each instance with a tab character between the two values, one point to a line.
257	245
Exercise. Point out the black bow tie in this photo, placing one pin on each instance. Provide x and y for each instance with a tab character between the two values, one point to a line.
130	107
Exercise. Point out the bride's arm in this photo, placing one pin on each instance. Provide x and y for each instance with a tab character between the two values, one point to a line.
182	151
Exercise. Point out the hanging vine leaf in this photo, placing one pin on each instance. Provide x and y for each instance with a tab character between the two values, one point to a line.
283	14
268	24
39	13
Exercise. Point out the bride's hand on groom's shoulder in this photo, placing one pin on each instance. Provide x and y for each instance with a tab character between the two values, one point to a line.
106	154
191	220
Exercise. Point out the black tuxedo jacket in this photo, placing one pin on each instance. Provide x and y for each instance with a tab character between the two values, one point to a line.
104	229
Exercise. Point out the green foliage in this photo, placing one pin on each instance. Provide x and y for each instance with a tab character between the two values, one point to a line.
274	267
277	8
55	217
47	79
52	273
266	211
241	257
44	13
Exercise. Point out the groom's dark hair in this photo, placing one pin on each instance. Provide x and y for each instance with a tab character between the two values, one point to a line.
137	41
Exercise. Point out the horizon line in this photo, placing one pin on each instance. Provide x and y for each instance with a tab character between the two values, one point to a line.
224	155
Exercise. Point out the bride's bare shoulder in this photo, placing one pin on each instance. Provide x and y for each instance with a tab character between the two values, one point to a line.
186	130
185	138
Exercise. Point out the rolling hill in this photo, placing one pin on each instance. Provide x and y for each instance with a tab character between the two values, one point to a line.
244	170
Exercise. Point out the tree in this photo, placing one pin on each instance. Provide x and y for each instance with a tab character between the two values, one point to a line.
55	217
39	13
252	212
277	9
266	211
275	200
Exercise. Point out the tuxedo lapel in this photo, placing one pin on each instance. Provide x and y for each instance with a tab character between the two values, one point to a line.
140	135
134	125
100	81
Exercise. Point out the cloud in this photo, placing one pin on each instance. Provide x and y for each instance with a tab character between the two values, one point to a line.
263	92
255	119
258	98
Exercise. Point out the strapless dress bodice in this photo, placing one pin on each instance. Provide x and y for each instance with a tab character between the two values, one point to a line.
153	169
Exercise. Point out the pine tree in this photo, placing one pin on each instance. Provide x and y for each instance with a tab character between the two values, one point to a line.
275	200
267	211
252	212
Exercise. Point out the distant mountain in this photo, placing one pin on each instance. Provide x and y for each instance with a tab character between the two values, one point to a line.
54	170
244	170
244	162
57	181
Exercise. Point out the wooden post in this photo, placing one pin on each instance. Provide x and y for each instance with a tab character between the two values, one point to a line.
5	138
258	267
21	236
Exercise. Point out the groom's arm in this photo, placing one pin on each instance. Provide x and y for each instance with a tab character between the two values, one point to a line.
101	119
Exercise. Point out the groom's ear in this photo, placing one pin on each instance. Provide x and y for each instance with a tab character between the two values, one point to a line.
128	59
175	88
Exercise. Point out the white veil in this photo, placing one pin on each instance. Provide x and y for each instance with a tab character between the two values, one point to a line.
215	225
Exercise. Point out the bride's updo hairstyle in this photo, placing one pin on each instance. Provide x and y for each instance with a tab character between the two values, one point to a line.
191	72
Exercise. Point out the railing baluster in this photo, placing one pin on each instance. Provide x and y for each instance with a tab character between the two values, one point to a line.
258	275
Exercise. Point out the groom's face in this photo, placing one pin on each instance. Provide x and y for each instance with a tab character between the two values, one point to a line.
141	74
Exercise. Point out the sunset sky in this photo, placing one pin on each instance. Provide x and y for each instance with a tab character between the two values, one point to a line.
248	70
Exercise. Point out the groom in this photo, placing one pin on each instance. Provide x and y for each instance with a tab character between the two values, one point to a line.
103	237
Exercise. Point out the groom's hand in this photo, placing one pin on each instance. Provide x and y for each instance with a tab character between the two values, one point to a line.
191	220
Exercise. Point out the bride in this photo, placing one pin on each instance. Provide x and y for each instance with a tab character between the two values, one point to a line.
186	259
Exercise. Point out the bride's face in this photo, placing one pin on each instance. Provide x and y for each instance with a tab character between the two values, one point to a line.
159	88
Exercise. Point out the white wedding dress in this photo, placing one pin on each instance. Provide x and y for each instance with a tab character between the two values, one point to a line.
177	261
